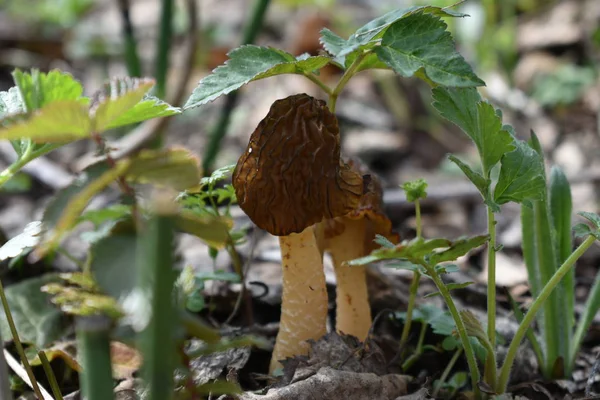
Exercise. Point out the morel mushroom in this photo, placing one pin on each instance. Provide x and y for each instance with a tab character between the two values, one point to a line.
290	178
350	237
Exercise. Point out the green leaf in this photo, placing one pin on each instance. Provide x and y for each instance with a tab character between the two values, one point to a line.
458	249
39	89
113	264
592	217
583	230
176	167
482	184
150	107
521	176
112	213
117	97
331	42
36	319
249	63
413	251
59	121
212	230
24	241
383	242
479	120
421	41
415	190
217	176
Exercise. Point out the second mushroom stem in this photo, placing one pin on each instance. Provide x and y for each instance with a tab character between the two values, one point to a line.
304	298
353	310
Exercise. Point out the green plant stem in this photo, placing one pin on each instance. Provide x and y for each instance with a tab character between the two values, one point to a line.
590	309
414	286
490	365
132	59
352	69
163	45
418	222
312	77
446	372
418	351
216	136
535	306
460	328
18	344
50	375
156	278
28	155
94	346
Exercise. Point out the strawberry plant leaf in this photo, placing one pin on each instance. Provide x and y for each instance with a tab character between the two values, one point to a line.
582	230
521	177
482	184
421	41
115	99
36	319
478	119
213	230
249	63
451	286
39	89
150	107
458	249
177	168
331	42
415	190
58	122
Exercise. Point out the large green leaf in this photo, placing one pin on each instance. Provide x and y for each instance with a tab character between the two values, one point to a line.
113	264
177	168
150	107
36	319
39	89
521	176
422	41
58	122
249	63
115	99
478	119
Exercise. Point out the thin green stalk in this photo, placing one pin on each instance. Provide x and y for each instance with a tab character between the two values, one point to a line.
591	308
418	351
490	364
418	221
352	69
535	306
156	278
446	372
93	337
18	344
50	375
5	392
28	155
216	136
132	59
460	328
163	45
414	287
312	77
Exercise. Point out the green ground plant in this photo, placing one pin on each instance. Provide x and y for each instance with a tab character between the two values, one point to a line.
45	111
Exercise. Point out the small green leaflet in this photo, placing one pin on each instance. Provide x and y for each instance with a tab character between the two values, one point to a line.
249	63
478	119
39	89
150	107
582	230
482	184
521	176
421	41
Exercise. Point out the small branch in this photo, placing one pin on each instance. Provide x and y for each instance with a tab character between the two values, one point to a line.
344	80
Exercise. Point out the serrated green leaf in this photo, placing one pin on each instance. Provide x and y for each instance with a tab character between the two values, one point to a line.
58	122
479	120
583	230
217	176
210	229
421	41
36	319
331	42
150	107
39	89
249	63
458	249
383	242
482	184
415	190
115	99
177	168
24	241
592	217
521	176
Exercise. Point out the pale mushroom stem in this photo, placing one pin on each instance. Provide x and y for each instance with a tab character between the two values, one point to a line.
304	298
352	299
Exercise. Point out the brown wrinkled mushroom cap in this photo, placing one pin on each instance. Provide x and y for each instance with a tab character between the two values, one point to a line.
370	208
291	176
